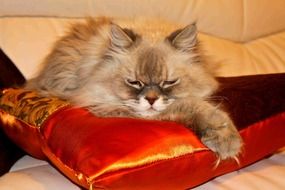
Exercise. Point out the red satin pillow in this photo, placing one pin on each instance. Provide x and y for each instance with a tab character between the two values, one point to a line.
122	153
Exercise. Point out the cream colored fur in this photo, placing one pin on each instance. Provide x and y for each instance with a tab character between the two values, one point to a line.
116	72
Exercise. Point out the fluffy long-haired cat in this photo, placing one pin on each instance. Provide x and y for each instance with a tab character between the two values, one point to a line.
114	71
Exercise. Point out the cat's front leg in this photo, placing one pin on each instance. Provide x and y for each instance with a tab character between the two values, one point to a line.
110	111
218	133
212	125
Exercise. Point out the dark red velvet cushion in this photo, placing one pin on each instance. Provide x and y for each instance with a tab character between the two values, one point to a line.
122	153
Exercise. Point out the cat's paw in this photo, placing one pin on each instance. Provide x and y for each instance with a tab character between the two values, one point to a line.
224	140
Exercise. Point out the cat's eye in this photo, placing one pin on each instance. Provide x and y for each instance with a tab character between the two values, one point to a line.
134	83
169	83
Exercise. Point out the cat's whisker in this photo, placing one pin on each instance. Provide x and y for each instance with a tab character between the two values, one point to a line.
217	98
217	106
131	102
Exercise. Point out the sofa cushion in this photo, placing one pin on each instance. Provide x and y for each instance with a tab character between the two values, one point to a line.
28	40
235	20
32	174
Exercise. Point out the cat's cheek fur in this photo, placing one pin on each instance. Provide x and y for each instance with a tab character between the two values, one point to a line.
159	104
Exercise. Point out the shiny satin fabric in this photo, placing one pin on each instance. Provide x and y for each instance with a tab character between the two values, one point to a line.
22	134
129	154
103	147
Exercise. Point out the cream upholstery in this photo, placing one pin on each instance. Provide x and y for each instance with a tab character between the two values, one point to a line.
241	37
32	174
238	20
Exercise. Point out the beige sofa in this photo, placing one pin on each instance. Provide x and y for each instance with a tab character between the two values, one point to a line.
240	37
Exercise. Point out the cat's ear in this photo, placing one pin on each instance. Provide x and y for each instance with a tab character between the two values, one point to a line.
122	38
184	39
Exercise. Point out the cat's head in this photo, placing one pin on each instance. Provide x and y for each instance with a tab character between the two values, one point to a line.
149	77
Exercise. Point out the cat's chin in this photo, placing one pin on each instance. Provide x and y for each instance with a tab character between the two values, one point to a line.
148	113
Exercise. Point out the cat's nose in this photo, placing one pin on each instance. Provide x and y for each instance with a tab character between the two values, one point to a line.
151	99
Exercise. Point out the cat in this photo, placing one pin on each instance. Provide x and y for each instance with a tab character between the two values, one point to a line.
116	72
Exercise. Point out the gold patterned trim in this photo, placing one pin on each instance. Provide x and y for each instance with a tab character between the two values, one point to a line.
29	106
